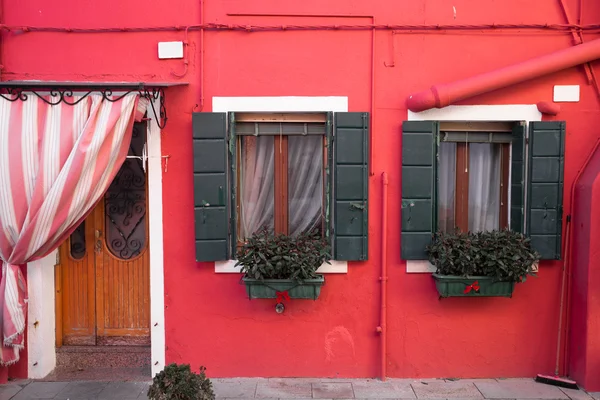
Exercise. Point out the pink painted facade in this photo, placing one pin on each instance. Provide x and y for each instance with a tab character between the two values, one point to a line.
208	317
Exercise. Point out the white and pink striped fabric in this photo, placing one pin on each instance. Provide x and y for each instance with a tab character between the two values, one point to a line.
55	164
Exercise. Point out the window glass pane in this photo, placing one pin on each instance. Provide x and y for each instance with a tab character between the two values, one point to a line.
257	181
125	203
446	186
77	242
305	183
484	186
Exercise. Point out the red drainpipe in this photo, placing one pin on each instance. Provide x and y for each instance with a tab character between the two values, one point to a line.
382	328
445	94
548	108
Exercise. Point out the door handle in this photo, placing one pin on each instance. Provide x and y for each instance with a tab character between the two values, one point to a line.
98	246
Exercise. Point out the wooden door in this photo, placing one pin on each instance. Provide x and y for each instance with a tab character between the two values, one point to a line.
103	277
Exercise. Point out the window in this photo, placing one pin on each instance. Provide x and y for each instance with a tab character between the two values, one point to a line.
473	177
280	183
291	173
476	177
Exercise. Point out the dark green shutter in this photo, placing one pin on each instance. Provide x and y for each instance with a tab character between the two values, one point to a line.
545	187
517	179
328	197
351	186
210	186
233	168
419	175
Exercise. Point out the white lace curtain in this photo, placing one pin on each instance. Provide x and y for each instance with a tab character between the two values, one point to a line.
257	183
484	186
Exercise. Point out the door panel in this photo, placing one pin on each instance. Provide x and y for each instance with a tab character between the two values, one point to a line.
122	287
103	279
76	277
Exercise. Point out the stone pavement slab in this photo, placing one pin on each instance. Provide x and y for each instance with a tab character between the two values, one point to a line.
446	390
576	394
9	390
332	390
40	390
124	391
81	390
234	388
286	389
390	389
519	389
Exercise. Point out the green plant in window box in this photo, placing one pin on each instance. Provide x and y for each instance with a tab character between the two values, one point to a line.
274	263
485	264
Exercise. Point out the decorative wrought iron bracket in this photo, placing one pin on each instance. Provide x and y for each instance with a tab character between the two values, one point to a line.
71	93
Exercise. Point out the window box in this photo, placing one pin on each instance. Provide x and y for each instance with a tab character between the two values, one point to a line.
473	286
268	288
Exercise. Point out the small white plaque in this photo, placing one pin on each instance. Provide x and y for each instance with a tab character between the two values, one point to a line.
170	50
566	93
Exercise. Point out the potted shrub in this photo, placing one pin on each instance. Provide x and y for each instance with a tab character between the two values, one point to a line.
481	263
282	265
179	382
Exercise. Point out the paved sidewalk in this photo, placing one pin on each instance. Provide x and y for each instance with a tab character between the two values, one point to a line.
303	388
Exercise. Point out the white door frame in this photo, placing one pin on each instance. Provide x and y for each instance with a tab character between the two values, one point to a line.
41	319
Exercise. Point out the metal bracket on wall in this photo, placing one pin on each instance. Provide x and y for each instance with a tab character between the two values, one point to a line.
392	50
71	93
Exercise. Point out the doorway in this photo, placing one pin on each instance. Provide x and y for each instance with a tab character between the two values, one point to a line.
103	275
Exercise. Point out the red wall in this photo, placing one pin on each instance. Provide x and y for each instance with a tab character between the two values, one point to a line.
209	320
585	304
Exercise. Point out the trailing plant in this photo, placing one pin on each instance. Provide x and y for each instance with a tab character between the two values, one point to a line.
179	382
269	256
502	254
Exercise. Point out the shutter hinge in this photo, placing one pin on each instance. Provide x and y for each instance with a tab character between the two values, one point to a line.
526	140
357	206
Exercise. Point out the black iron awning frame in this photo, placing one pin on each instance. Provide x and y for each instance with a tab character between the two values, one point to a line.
65	92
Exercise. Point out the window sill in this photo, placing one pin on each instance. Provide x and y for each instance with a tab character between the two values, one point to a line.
419	267
336	267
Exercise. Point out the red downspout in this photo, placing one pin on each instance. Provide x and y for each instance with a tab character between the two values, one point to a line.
202	56
445	94
382	328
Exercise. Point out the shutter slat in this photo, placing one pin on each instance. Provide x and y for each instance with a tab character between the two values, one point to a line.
419	172
517	179
545	187
211	209
350	176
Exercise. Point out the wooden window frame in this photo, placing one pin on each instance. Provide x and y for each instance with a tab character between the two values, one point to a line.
281	178
461	192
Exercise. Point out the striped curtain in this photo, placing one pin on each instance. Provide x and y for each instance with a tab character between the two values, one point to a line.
56	161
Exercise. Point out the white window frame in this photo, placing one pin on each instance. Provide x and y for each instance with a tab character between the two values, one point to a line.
281	104
505	112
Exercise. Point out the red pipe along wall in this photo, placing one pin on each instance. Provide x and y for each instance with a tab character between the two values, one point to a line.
209	320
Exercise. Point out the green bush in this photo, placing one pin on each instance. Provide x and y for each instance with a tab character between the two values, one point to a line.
179	382
269	256
504	255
